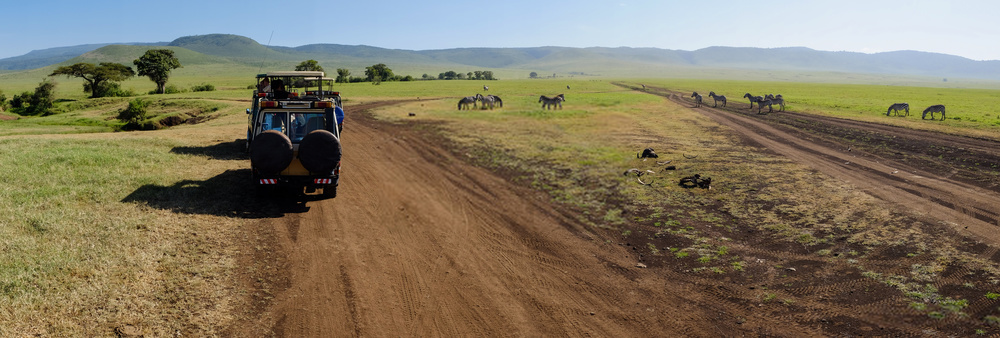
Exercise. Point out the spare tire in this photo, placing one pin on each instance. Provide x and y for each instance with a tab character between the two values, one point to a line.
320	151
271	152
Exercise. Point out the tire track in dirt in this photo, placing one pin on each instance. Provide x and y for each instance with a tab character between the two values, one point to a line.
420	243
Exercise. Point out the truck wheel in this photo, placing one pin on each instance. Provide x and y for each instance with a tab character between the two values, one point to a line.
320	151
246	146
330	191
271	152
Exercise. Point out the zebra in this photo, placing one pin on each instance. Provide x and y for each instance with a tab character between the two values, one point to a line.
697	99
753	99
548	102
717	98
486	100
496	100
486	88
761	101
938	108
896	107
778	100
466	101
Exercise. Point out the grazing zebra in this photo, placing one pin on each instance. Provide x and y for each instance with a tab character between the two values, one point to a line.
466	101
486	100
778	100
496	100
486	88
938	108
717	98
896	107
697	99
548	102
753	99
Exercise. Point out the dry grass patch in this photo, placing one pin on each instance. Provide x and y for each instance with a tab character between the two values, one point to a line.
89	242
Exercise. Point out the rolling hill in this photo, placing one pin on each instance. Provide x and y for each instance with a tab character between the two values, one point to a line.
621	61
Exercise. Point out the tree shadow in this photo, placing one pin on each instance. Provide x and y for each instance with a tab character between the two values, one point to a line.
229	194
235	150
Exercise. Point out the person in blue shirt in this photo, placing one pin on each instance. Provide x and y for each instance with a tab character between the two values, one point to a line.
339	112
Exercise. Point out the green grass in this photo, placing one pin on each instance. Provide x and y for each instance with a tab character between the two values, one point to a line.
77	258
70	241
967	108
64	230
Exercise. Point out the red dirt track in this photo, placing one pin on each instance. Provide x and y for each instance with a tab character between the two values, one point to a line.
421	243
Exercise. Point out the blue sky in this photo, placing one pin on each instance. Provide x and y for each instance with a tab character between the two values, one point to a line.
959	27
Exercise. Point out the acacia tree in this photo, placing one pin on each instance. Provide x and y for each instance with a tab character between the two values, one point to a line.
99	78
157	64
309	65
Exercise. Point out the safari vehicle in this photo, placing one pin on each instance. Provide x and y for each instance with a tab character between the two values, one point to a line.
293	132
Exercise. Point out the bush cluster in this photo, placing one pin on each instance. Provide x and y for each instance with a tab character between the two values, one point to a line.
39	103
135	113
205	87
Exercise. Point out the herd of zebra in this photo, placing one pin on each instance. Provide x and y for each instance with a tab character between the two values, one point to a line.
493	100
769	100
490	100
761	101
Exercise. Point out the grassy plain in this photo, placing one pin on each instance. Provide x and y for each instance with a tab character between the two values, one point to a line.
968	110
103	230
95	235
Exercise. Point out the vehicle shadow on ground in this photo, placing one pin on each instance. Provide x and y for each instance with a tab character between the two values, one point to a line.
235	150
229	194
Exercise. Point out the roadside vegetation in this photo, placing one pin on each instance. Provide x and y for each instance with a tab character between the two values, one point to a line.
106	230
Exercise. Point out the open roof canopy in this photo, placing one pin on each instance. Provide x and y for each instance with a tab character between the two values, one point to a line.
292	73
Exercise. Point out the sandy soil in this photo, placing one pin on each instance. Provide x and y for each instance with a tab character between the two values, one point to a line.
421	243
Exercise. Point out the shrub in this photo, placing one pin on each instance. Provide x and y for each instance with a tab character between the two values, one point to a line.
169	89
20	101
206	87
109	89
172	89
41	100
135	113
38	103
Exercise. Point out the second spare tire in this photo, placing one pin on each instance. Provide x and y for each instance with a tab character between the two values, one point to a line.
320	151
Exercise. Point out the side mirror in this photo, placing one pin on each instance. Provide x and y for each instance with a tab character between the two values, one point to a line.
248	111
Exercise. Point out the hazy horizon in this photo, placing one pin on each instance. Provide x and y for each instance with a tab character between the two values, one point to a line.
961	28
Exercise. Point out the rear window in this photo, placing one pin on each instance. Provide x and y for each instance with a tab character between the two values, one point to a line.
294	125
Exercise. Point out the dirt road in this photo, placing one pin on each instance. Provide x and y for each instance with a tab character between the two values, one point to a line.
420	243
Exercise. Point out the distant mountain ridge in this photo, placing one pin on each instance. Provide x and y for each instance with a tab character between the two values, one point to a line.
50	56
247	51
